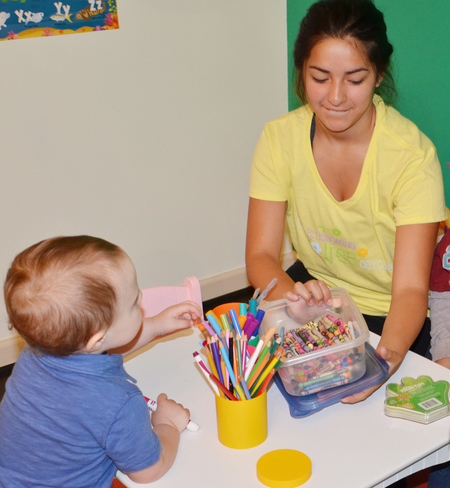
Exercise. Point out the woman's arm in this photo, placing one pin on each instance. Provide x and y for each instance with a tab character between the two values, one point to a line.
414	246
265	236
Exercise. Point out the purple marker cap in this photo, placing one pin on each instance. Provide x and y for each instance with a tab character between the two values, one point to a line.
248	322
208	327
251	329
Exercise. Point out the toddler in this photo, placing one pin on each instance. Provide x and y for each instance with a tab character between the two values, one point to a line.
71	415
439	302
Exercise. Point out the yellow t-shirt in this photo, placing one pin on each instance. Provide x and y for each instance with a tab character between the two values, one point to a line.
350	244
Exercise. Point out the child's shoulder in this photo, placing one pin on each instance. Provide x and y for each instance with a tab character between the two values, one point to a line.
444	242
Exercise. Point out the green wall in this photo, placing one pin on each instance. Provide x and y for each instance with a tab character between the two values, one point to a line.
420	33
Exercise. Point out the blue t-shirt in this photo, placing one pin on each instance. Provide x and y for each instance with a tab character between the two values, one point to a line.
71	422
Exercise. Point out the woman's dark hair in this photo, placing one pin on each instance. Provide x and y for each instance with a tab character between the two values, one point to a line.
341	19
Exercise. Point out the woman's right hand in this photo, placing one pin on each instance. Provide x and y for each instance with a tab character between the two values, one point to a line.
313	291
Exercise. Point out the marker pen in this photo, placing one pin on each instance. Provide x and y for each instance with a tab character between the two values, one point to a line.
192	426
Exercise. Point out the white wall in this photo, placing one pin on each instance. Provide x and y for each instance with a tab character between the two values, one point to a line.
142	136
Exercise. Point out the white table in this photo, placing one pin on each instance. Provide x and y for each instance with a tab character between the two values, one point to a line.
350	446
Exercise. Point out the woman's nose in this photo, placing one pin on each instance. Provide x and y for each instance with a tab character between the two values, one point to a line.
337	94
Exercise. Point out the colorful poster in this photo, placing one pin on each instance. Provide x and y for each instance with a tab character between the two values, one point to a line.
21	19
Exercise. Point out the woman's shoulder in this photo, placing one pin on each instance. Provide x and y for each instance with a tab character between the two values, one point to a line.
404	131
297	117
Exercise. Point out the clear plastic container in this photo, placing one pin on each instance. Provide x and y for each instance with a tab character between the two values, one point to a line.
324	366
377	370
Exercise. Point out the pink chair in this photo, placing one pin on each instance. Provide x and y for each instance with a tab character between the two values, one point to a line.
157	299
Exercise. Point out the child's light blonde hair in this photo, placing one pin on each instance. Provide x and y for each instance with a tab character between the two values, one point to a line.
58	292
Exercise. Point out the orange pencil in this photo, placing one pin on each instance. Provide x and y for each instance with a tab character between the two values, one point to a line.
265	371
204	331
269	335
265	383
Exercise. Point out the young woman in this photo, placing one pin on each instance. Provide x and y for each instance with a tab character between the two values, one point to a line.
358	185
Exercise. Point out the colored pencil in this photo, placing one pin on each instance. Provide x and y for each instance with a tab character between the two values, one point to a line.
257	370
214	323
264	356
228	365
265	383
223	389
208	327
204	331
253	359
240	391
245	388
264	374
235	373
235	322
215	354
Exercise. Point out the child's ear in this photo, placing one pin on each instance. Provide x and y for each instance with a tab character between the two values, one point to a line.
96	341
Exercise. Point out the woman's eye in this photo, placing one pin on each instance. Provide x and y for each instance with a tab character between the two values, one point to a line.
317	80
356	82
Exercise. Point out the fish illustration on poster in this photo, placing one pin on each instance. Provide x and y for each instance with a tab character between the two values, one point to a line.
22	19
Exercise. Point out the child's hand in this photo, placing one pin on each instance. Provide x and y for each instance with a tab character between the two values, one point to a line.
169	412
180	316
168	420
444	362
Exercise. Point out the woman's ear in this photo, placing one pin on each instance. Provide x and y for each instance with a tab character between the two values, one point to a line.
379	80
95	343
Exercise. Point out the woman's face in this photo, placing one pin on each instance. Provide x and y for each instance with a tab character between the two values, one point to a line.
339	83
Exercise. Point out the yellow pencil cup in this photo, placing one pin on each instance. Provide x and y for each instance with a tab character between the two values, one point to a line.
242	424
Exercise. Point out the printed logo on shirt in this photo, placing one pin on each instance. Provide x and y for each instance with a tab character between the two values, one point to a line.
446	259
333	247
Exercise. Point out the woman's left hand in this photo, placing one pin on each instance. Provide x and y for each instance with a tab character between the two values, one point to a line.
394	360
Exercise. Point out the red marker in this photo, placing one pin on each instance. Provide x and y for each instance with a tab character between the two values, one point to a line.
192	426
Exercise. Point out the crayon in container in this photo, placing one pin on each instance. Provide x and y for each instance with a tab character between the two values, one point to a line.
242	424
325	343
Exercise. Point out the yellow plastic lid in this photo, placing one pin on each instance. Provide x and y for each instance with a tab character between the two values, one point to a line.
283	468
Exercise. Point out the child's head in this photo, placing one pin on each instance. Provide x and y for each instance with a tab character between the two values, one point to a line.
62	291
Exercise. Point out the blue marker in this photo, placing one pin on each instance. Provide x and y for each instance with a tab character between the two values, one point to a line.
214	324
259	316
235	321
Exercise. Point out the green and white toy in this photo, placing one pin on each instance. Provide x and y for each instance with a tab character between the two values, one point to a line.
421	400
